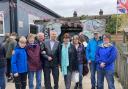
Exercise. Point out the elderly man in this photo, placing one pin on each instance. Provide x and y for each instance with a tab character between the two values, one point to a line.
90	54
51	62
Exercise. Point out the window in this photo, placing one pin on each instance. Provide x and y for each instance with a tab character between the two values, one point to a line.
33	29
1	24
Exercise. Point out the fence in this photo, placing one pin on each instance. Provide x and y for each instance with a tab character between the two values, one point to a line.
122	65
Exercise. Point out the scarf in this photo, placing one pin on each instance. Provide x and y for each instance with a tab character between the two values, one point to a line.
65	58
32	45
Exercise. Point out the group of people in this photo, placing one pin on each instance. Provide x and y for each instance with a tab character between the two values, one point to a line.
32	55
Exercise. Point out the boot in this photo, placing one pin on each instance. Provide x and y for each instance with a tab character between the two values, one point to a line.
23	86
17	86
80	86
76	86
93	88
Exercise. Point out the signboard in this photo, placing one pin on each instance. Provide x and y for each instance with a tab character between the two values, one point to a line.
1	23
21	24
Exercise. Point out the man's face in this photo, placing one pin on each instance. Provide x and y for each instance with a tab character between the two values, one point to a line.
96	35
53	35
41	37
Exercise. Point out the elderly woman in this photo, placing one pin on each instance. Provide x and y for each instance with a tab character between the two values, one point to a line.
105	58
68	56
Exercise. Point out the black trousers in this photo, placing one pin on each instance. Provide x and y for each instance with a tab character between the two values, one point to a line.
8	67
55	74
21	81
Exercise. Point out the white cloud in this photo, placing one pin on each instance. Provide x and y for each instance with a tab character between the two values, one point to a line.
83	7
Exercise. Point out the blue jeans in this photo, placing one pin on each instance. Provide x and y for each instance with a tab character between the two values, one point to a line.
67	80
80	74
2	78
38	79
93	73
109	76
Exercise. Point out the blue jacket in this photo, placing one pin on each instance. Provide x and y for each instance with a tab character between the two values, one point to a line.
19	60
106	55
91	49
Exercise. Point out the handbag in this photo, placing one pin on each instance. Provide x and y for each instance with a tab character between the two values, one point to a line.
75	76
85	69
85	66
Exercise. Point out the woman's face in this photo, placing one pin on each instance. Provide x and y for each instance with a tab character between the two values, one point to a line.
106	40
31	40
66	40
75	41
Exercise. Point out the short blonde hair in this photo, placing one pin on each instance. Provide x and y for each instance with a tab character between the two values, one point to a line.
22	39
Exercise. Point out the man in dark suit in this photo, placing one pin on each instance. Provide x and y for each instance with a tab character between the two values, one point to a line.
51	61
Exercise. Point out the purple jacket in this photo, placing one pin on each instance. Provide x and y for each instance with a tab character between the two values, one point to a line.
81	54
34	62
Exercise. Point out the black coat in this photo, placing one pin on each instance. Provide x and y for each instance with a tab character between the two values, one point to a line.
73	62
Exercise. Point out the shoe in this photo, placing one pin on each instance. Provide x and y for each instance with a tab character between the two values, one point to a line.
93	88
76	86
80	86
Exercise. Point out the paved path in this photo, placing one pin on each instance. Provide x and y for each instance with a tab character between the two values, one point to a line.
86	83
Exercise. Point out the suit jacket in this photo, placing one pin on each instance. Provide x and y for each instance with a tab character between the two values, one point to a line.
54	53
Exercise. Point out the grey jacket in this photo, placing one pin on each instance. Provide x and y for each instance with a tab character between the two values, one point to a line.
54	53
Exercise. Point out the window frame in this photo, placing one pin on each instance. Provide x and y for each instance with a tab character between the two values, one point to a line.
2	12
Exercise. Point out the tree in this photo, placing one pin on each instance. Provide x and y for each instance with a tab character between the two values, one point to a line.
112	24
83	17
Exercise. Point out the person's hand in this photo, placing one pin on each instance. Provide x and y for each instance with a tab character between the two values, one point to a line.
102	65
43	52
50	58
16	75
89	62
13	52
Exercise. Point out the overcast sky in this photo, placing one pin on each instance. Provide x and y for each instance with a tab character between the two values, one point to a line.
83	7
